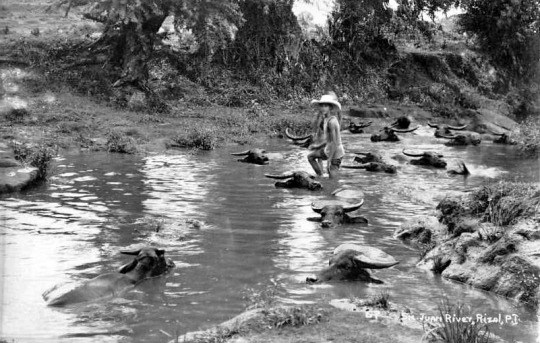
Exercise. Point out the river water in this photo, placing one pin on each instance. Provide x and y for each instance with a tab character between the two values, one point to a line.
254	238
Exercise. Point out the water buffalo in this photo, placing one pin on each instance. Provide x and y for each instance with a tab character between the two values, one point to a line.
503	138
427	159
402	122
463	170
374	167
368	157
444	130
296	179
465	139
357	127
303	141
388	134
336	213
149	262
256	156
350	261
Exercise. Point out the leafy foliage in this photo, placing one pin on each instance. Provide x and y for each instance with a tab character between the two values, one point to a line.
354	24
131	29
507	30
529	137
39	156
270	36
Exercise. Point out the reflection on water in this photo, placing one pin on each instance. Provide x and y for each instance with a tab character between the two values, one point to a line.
253	237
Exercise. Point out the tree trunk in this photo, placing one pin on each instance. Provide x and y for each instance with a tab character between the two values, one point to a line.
132	47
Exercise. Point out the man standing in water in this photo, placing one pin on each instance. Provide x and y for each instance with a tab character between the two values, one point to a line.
329	147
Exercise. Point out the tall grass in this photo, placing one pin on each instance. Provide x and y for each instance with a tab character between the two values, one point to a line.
503	202
451	330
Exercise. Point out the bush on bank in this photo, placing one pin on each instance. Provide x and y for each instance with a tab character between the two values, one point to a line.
528	137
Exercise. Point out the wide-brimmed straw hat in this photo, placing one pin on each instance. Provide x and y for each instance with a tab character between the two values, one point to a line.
328	99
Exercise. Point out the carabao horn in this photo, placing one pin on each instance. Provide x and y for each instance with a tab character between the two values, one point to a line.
353	207
405	130
457	127
355	166
131	252
448	136
286	175
240	153
411	155
295	138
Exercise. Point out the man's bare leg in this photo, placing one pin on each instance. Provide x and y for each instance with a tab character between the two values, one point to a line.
333	170
314	159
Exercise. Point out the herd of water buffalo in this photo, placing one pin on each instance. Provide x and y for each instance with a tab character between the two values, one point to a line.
349	261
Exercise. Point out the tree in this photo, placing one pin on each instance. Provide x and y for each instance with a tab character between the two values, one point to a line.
508	31
131	29
270	34
354	24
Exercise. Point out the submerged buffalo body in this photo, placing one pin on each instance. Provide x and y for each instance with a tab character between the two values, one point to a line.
333	214
388	134
374	167
427	159
297	179
368	157
350	261
358	127
256	156
465	139
463	170
371	162
442	130
503	138
148	263
402	122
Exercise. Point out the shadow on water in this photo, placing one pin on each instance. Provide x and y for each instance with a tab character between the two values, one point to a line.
254	237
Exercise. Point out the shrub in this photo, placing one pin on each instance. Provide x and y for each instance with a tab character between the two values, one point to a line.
17	115
529	137
36	156
119	142
202	138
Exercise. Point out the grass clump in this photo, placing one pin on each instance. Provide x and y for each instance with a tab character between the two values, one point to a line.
503	203
280	317
39	156
120	143
440	264
264	298
379	300
451	330
203	138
